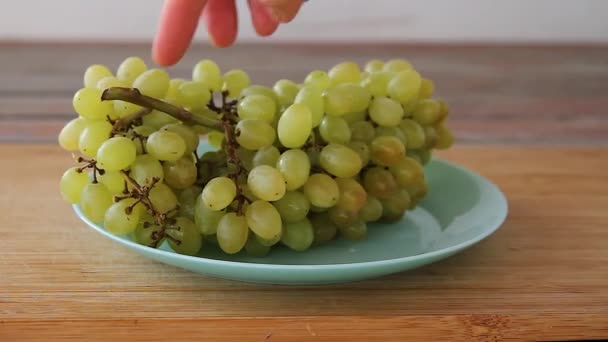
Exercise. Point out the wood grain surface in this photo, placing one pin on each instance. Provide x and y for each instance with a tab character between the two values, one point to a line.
532	120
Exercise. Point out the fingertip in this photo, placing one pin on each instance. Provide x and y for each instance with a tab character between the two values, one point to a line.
221	19
263	22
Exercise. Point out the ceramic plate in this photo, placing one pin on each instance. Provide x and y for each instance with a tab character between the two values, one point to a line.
461	209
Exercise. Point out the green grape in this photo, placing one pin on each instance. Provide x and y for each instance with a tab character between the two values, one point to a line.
295	126
163	198
352	195
206	219
427	112
379	182
414	133
374	65
386	150
180	174
444	110
166	145
256	106
219	193
71	184
186	133
363	131
246	157
341	217
293	207
268	155
145	168
334	129
153	82
353	117
113	180
386	112
143	234
417	191
336	102
94	73
372	210
427	88
431	137
409	108
391	132
356	231
286	91
358	97
321	190
256	89
318	79
116	154
254	248
94	134
345	72
377	83
425	156
266	183
158	119
193	95
405	86
232	233
268	243
395	206
314	155
130	68
362	149
95	199
407	172
264	220
110	82
187	201
445	138
215	139
187	239
253	134
122	217
323	229
174	84
397	65
235	81
70	134
298	235
294	165
88	104
208	72
312	97
340	161
122	109
318	210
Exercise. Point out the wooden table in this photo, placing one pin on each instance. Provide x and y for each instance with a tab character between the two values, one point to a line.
532	119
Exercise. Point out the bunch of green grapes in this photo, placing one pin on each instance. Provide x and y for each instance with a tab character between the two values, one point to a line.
295	164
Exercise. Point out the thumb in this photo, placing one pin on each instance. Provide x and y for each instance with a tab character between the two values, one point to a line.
283	11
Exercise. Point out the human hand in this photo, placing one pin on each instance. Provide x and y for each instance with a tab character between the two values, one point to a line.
179	20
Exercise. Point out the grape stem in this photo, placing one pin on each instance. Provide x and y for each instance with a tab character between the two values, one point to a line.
90	164
123	124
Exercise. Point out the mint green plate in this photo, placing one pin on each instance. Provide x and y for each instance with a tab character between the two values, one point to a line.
461	209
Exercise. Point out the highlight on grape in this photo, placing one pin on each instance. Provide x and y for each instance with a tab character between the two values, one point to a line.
295	164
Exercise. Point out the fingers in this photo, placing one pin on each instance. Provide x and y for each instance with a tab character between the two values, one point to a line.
220	16
283	11
263	23
178	22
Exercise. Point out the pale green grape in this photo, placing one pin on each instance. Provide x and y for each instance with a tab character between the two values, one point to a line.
321	190
386	112
187	201
431	137
391	132
122	217
372	210
386	150
88	104
206	219
268	155
318	210
379	182
336	102
153	82
256	89
363	131
358	97
116	154
356	231
266	183
254	248
427	88
143	236
352	195
444	110
113	180
122	108
341	217
95	199
186	133
293	207
312	97
374	65
193	95
353	117
180	174
257	107
235	81
345	72
130	68
362	149
163	198
323	229
340	160
268	243
427	112
286	91
166	145
219	193
253	134
110	82
405	86
409	108
414	133
158	119
94	73
187	239
377	83
71	184
94	134
145	168
215	139
264	220
208	72
174	84
396	65
334	129
407	172
295	126
298	235
294	165
70	134
395	206
232	233
319	79
445	138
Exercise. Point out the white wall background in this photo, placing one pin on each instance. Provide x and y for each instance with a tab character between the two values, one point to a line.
327	20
